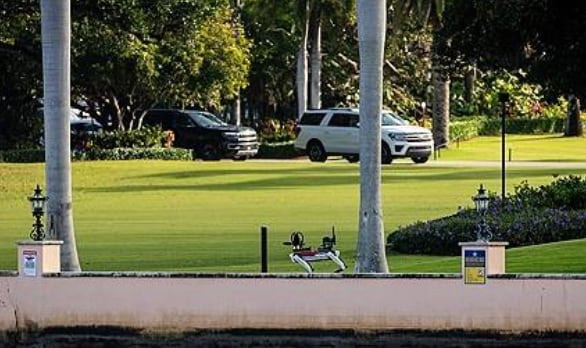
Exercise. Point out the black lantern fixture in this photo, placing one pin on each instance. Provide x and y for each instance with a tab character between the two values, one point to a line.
481	201
38	208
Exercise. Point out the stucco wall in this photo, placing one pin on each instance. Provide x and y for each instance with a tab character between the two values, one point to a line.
187	302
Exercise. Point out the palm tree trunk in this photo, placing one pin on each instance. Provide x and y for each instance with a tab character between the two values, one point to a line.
469	81
441	109
56	37
315	97
236	114
302	65
574	126
236	111
371	257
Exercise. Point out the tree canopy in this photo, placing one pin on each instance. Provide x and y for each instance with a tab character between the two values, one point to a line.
544	38
128	55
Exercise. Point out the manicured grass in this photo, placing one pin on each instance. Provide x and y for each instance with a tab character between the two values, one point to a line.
205	216
524	148
561	257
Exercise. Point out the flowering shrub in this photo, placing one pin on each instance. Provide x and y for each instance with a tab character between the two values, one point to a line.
533	215
274	131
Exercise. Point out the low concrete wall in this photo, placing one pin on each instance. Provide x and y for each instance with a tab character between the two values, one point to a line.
179	302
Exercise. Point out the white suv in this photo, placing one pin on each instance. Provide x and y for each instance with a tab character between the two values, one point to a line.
335	132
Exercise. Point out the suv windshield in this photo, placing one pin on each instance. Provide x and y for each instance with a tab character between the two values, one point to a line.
205	119
393	120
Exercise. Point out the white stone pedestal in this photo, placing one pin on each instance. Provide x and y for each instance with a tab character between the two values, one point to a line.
38	257
494	255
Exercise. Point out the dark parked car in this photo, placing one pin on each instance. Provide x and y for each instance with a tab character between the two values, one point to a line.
207	135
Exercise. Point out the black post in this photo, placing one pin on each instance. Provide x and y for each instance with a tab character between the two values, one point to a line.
263	249
504	99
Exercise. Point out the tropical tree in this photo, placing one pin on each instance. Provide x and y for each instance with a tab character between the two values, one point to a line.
370	255
133	55
56	40
537	37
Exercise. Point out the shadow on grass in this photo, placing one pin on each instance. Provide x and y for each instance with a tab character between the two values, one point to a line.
537	137
203	173
316	181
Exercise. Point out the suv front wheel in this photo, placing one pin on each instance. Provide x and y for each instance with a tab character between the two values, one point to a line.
210	152
419	160
385	157
316	152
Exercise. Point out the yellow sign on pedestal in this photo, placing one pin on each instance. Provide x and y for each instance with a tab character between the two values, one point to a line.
475	266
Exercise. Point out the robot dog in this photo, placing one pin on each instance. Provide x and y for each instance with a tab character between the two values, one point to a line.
305	256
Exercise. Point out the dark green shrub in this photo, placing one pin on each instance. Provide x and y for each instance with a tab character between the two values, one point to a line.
545	214
23	156
542	125
277	150
134	154
38	155
566	192
275	131
138	138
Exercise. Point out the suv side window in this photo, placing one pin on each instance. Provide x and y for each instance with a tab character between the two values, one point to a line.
152	119
343	120
311	119
183	121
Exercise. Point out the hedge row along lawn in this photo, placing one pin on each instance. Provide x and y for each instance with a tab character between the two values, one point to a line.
205	216
549	147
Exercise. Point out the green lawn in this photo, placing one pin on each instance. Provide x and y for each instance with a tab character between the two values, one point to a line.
205	216
524	148
561	257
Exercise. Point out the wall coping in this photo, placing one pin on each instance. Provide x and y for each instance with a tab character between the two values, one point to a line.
510	276
8	273
480	243
253	275
39	242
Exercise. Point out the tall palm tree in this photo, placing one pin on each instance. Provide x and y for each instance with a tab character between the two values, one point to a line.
301	78
236	106
371	257
315	56
441	107
56	40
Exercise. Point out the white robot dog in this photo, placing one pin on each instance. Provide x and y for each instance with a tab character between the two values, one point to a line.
305	256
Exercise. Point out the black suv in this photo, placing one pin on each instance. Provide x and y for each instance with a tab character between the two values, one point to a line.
207	135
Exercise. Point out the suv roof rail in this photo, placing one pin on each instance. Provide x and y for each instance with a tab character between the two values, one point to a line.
345	108
342	108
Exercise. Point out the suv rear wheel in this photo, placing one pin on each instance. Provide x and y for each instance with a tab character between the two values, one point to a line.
419	159
385	156
352	158
209	152
316	152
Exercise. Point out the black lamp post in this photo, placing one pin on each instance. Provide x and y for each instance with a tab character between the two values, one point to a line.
481	202
38	208
504	98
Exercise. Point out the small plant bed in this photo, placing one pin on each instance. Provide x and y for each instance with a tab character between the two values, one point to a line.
530	216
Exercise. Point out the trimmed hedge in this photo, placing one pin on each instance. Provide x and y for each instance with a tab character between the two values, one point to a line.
546	214
121	153
38	155
277	150
464	128
23	156
145	137
542	125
